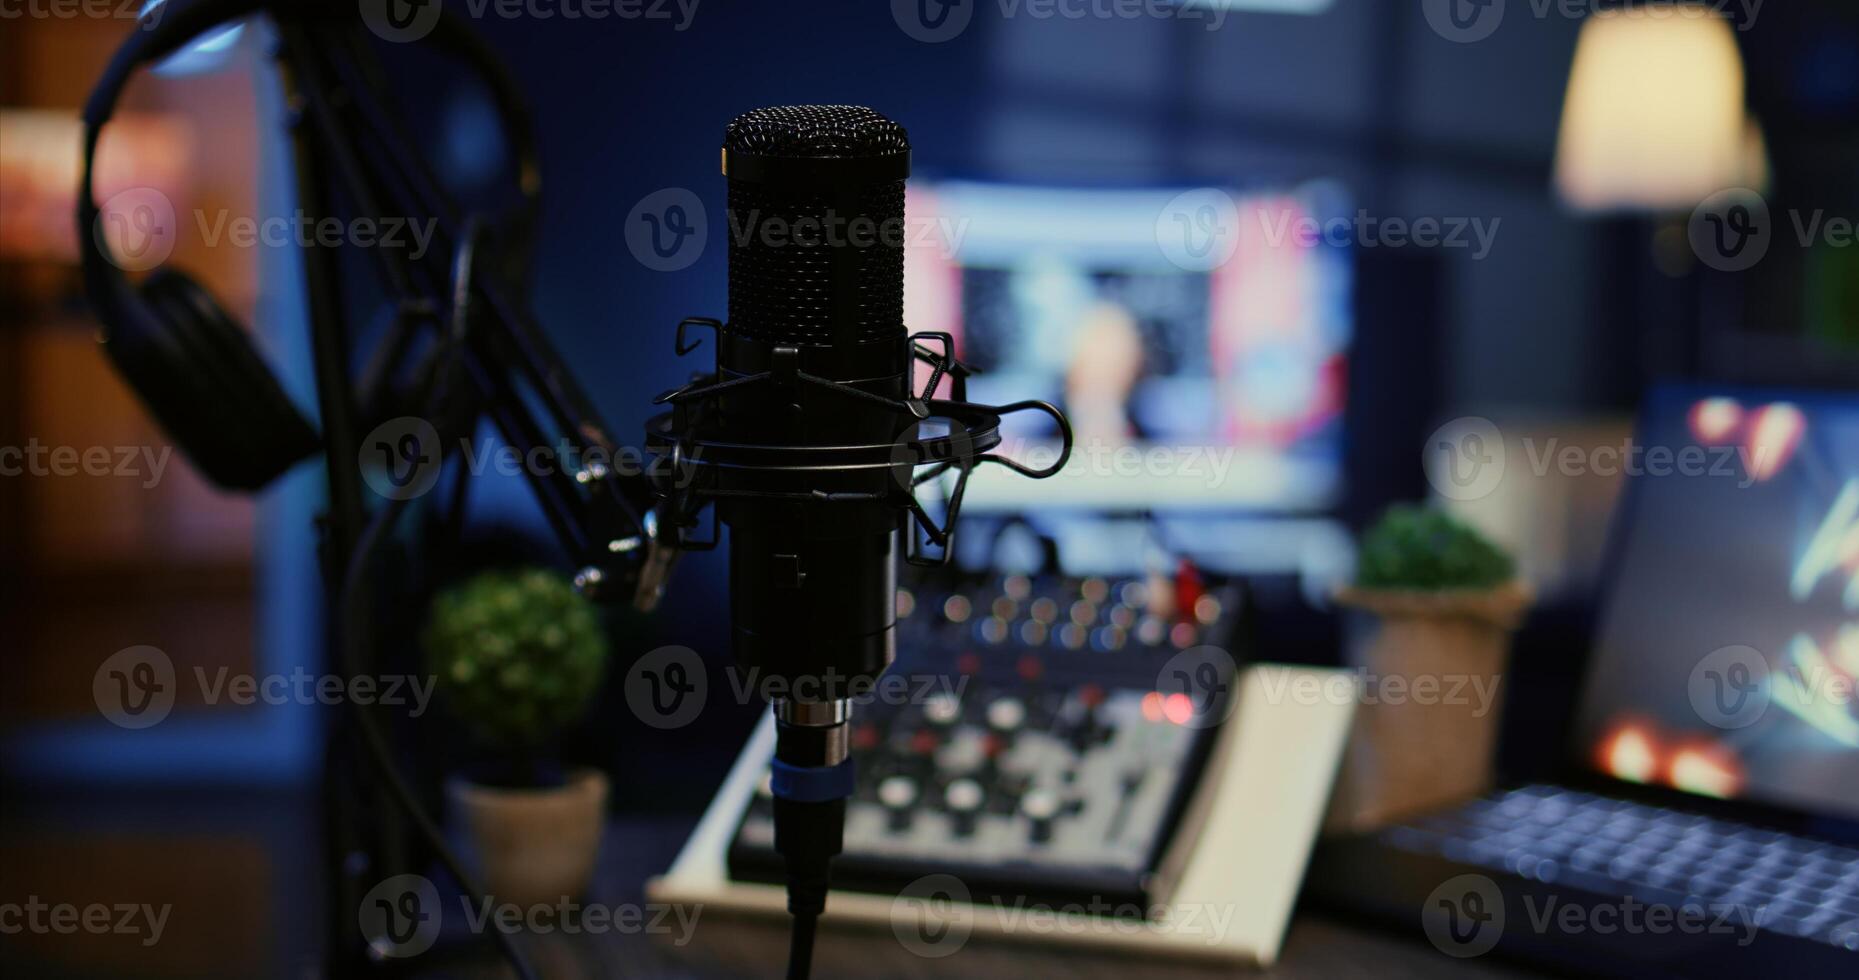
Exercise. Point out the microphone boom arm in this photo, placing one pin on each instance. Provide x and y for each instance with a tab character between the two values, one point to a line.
602	515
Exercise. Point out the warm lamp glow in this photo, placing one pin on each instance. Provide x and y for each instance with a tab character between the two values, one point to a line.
1707	771
1654	117
1630	755
1714	419
1773	438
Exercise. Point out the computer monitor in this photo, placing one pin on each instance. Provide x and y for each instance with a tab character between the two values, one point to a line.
1196	338
1729	638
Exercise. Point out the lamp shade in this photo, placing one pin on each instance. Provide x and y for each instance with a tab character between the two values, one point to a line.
1654	117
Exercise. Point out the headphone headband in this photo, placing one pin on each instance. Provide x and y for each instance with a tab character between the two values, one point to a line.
160	31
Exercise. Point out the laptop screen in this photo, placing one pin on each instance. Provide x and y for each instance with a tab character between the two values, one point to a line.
1729	640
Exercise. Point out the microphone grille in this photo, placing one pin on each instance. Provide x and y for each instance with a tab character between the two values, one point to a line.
815	255
815	131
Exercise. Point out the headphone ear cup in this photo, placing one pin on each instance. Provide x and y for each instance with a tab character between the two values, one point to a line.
196	370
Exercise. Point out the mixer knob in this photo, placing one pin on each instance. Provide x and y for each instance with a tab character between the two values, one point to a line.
898	794
1007	715
1041	806
943	710
963	798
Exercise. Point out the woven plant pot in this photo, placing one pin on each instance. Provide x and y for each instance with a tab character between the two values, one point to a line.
1444	654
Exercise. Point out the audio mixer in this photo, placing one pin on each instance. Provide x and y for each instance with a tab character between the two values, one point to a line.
1037	737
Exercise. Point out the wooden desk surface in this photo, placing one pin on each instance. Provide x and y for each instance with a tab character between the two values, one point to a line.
723	945
241	875
1316	948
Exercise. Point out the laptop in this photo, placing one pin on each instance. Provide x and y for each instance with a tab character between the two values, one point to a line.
1707	823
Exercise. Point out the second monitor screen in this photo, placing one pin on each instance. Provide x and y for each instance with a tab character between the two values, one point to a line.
1197	339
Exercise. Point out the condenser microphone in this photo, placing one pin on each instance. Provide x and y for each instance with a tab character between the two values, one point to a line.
809	441
816	287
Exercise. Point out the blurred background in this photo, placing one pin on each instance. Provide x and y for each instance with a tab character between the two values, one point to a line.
1562	163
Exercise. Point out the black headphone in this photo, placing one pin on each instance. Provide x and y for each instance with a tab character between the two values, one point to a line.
191	363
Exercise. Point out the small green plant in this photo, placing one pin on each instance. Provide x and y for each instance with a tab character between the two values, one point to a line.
1424	549
518	655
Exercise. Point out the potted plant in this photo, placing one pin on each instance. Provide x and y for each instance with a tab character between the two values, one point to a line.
1440	603
517	656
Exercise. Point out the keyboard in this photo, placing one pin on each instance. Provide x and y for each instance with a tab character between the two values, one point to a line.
1789	884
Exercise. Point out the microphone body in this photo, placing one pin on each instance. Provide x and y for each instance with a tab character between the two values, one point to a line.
816	276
